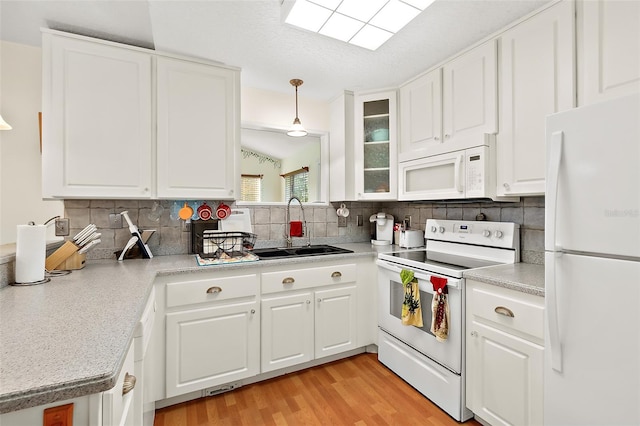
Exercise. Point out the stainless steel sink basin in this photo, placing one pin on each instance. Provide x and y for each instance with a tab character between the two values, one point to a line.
316	250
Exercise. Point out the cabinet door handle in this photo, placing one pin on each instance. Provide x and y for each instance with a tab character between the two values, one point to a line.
253	311
504	311
308	302
436	138
474	334
336	274
214	290
288	280
129	383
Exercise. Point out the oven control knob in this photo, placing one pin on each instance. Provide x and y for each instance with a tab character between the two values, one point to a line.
486	233
499	234
441	229
434	229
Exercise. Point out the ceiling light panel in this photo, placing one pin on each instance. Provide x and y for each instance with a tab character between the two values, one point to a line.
394	15
341	27
364	23
419	4
370	37
307	15
361	10
329	4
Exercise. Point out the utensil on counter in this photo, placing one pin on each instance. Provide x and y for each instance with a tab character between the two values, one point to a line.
89	246
223	211
175	211
205	212
185	212
88	230
156	212
343	210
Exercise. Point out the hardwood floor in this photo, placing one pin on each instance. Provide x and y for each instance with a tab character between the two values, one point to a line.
353	391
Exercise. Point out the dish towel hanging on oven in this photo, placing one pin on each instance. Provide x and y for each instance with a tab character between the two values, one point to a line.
411	310
440	308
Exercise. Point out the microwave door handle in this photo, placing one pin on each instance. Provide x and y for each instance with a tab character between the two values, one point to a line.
456	171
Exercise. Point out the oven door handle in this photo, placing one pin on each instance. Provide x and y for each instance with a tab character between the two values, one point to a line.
451	282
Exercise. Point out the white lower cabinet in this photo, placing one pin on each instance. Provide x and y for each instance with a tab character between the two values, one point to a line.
212	332
504	351
114	407
287	330
307	313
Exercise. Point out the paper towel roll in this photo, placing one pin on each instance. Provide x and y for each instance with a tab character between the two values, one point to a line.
31	250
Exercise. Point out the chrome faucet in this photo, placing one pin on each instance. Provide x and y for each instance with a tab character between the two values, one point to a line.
287	224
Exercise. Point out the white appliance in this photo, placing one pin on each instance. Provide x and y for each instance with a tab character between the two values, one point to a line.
592	265
384	229
467	173
434	368
411	238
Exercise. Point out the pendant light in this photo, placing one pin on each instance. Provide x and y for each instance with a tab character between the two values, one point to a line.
296	129
4	125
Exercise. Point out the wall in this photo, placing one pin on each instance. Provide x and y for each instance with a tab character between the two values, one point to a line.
20	175
278	110
269	224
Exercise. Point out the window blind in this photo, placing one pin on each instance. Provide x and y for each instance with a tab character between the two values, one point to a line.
251	188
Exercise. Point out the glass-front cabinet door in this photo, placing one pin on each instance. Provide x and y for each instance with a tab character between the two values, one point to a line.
376	146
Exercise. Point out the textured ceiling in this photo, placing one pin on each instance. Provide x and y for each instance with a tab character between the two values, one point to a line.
251	34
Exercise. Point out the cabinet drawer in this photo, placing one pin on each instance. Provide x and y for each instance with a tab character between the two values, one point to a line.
497	304
117	401
294	279
211	290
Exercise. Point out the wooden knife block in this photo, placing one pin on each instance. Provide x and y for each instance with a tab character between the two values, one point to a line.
65	257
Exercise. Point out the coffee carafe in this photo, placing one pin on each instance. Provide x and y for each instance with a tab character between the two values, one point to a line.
383	229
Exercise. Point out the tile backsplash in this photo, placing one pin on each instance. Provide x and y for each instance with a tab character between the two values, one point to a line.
268	222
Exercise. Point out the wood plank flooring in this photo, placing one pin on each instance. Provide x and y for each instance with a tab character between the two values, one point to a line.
353	391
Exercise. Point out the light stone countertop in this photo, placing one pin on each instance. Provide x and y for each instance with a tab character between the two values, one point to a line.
68	338
524	277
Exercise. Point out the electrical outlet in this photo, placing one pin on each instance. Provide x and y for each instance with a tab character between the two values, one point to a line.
342	222
62	227
407	220
115	220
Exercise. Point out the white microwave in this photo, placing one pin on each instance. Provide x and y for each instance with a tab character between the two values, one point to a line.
467	173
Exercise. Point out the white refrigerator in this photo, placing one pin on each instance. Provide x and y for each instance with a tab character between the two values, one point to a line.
592	265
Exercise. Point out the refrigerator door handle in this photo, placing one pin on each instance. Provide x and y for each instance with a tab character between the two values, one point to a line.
555	155
551	299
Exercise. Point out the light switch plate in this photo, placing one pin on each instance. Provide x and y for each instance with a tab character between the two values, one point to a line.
342	222
115	220
62	227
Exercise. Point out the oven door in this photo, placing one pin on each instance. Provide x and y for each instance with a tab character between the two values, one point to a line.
390	298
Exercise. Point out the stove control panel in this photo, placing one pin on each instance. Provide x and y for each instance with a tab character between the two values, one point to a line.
494	234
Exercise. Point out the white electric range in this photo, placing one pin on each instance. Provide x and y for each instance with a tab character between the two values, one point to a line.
436	368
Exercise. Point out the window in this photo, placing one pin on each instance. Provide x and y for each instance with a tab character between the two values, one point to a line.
296	183
251	188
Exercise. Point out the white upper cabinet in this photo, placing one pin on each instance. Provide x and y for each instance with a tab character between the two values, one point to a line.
609	54
420	115
198	124
99	116
469	102
376	151
452	107
536	79
96	120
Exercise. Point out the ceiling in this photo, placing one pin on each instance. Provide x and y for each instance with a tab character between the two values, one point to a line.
251	34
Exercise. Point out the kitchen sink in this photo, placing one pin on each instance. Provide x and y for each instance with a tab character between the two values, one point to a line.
317	250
